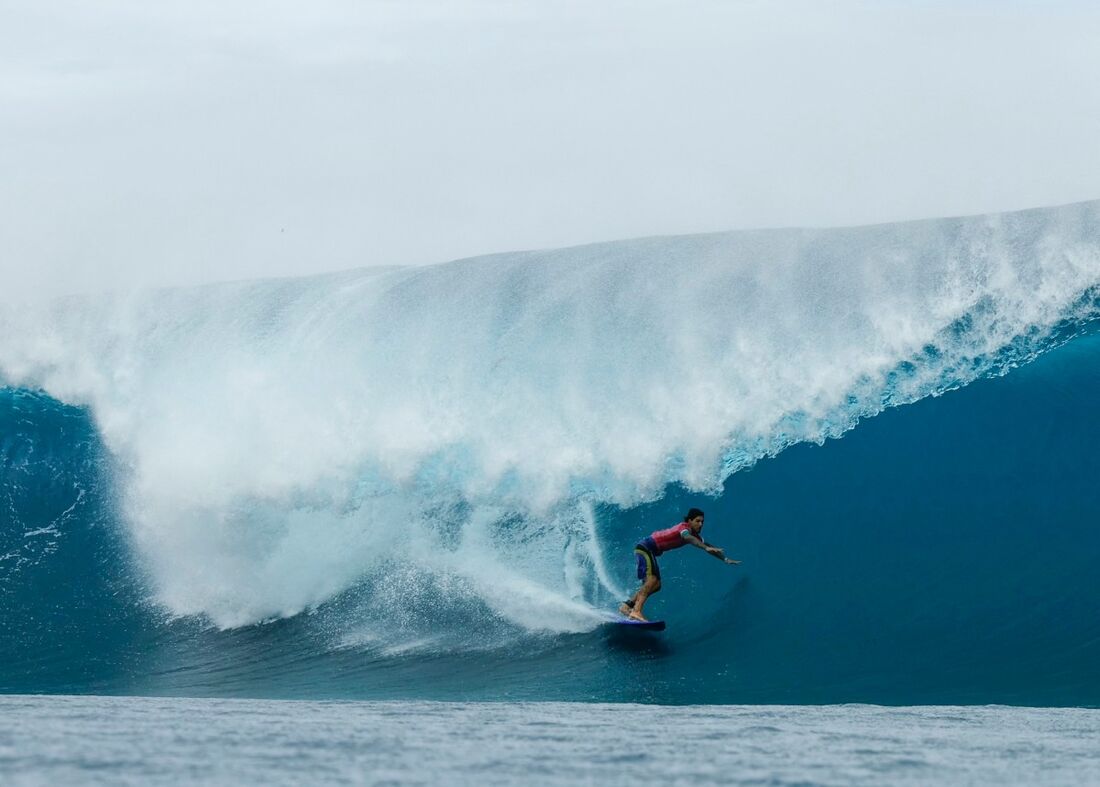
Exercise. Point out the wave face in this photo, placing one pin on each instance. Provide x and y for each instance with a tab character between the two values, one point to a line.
426	482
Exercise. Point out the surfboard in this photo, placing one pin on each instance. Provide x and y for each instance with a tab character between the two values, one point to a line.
647	625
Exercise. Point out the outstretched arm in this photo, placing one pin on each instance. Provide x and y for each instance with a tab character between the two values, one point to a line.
710	549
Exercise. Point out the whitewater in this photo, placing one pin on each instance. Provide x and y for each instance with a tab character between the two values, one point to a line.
339	482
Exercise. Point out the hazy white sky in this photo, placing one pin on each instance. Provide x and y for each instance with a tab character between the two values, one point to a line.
162	143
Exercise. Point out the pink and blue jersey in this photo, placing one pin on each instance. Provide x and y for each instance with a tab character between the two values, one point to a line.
657	543
670	538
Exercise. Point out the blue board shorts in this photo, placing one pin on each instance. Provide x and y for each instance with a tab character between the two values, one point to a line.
647	563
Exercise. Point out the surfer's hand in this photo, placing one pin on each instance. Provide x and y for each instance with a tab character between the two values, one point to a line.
731	562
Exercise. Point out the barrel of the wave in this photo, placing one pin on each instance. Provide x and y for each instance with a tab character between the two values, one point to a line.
646	552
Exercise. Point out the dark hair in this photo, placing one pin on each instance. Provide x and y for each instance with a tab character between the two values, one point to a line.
692	513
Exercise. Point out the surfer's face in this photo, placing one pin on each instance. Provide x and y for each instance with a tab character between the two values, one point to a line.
696	523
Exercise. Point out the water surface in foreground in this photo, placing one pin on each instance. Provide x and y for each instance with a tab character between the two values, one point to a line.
148	740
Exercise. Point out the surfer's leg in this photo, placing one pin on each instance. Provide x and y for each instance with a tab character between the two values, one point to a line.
650	574
652	585
646	567
628	605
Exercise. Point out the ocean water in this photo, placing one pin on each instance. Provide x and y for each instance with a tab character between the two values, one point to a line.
424	484
147	740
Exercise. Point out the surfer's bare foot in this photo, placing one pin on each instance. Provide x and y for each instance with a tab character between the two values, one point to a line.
625	610
635	616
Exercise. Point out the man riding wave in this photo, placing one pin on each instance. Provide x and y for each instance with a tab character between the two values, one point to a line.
649	548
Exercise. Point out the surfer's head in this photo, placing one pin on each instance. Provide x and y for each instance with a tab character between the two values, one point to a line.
694	517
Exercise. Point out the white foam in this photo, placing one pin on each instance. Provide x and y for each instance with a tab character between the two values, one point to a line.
281	439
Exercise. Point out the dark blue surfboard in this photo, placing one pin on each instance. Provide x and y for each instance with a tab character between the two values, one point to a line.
648	625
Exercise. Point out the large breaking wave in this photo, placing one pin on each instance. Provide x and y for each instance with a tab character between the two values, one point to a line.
452	461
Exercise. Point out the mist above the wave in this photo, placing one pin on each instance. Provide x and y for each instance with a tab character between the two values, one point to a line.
146	144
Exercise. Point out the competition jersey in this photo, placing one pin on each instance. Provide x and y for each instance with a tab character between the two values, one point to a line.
669	538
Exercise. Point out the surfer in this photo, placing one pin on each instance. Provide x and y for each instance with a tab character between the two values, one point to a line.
647	550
